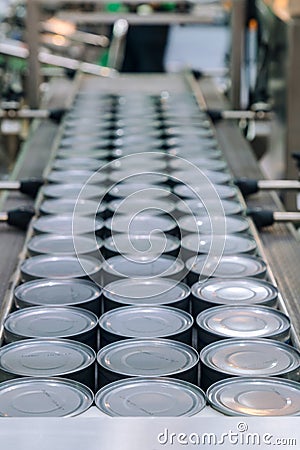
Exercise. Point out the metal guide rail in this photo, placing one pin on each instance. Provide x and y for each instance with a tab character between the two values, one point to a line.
164	100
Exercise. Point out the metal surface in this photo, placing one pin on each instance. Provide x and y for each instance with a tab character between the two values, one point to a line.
238	25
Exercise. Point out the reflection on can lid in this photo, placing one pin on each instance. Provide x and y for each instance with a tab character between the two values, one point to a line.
67	225
78	163
78	176
147	292
56	292
149	206
138	191
147	357
141	223
204	193
150	397
146	322
251	357
72	190
65	206
195	176
208	149
244	321
65	153
143	266
45	357
54	322
59	267
149	178
203	224
256	397
235	291
44	397
199	162
239	266
143	245
199	208
62	245
230	244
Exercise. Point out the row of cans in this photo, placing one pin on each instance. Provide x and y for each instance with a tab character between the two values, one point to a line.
142	336
149	397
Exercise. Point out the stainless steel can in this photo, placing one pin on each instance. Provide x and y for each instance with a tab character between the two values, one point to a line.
86	140
75	191
231	244
248	357
244	291
60	267
67	225
250	396
53	293
44	397
203	224
141	223
77	176
48	358
202	267
241	321
137	267
78	163
137	191
53	244
76	152
201	162
52	322
192	176
145	323
144	245
147	358
186	191
147	397
145	293
149	207
199	208
66	206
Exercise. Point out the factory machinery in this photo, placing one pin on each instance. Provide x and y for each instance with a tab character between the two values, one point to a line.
139	275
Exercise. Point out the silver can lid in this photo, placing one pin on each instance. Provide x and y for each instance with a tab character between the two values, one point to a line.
56	293
147	292
149	206
78	163
244	321
230	244
250	357
138	163
45	357
149	178
146	322
62	245
67	225
129	177
54	322
142	245
84	139
65	206
138	190
191	177
198	192
231	266
203	224
255	397
72	190
158	397
143	266
199	162
141	223
44	397
236	291
147	357
198	208
91	153
209	150
76	176
59	267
